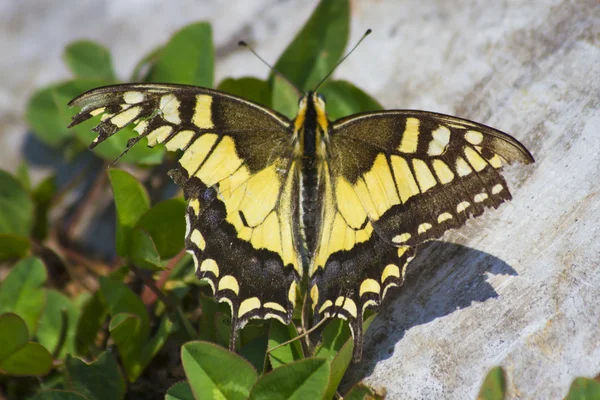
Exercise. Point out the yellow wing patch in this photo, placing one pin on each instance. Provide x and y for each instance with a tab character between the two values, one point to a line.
202	112
345	221
410	137
194	156
407	186
381	186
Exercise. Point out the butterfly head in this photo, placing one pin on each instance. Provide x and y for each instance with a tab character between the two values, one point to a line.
311	109
311	124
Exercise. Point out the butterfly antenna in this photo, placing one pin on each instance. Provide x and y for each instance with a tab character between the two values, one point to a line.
367	33
272	68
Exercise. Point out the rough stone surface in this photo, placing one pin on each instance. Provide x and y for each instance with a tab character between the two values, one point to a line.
518	287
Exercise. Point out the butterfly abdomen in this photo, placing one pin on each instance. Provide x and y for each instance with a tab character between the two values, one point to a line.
309	204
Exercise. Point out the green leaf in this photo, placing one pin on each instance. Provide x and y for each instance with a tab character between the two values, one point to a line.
51	324
17	355
188	58
279	333
44	118
13	246
90	60
334	336
252	89
343	99
120	299
22	291
42	198
253	330
584	389
143	69
305	379
32	359
360	391
143	251
180	391
58	395
206	325
127	333
13	334
494	385
214	372
285	97
222	323
337	346
129	327
255	351
131	201
16	207
318	46
93	314
165	222
98	380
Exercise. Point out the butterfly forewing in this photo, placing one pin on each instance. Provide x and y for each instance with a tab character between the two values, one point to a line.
394	180
240	180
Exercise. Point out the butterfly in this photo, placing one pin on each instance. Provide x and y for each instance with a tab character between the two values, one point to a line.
340	204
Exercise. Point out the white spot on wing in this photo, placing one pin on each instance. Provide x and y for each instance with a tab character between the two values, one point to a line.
133	97
462	206
480	197
169	105
462	168
424	227
443	217
474	137
187	225
97	111
497	189
401	238
441	138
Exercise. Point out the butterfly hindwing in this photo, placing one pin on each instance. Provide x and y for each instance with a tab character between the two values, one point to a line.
394	180
240	180
247	272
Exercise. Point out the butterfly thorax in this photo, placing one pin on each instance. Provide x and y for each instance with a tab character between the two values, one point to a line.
311	125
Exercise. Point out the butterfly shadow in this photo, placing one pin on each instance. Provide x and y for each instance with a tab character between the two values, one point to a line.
443	278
